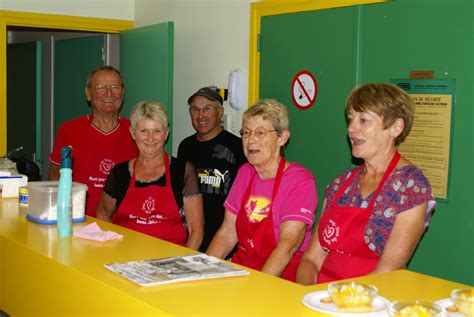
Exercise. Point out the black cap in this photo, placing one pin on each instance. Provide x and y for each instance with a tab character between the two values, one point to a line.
207	92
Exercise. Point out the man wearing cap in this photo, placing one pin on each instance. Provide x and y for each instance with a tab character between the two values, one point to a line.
216	154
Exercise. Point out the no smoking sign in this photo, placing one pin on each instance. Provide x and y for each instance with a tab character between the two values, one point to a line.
304	90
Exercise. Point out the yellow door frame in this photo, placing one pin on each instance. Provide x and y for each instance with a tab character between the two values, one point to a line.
268	8
48	21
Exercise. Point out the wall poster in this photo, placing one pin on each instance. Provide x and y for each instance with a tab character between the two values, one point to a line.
428	145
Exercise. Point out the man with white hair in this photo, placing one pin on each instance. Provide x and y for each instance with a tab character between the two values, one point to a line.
99	140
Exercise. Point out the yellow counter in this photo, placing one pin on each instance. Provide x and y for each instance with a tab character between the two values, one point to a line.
42	275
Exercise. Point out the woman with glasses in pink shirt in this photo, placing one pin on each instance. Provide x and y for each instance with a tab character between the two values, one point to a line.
271	206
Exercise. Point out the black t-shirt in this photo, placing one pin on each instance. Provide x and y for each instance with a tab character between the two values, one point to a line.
216	162
183	181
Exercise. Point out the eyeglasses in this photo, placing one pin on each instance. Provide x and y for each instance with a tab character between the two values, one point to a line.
196	110
259	132
103	88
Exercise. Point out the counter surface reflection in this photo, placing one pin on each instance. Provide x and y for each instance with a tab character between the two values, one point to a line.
42	275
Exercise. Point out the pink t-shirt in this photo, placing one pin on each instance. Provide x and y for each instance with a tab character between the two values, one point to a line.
296	198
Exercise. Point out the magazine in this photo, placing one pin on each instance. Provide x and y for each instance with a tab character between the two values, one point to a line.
175	269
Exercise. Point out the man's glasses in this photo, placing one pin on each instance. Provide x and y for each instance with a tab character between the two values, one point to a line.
103	88
259	132
196	110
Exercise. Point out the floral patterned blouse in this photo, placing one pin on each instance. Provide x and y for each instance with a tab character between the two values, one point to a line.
405	188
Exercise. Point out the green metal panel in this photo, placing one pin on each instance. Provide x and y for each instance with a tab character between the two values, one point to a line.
146	64
74	59
21	102
322	42
375	43
438	35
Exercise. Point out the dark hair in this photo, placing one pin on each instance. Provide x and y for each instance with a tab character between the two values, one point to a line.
388	101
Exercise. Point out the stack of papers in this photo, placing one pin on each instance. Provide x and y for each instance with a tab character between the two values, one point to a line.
175	269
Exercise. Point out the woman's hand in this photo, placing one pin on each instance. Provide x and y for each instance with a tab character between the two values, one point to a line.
225	238
291	237
402	242
311	263
106	207
195	220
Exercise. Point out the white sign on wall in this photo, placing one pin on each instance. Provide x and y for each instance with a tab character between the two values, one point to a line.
304	90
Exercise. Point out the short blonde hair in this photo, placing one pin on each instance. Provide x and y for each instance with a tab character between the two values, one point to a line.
148	109
388	101
271	110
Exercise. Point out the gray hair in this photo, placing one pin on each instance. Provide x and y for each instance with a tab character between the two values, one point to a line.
102	68
272	110
151	109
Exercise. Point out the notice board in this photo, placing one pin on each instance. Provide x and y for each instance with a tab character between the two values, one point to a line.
428	145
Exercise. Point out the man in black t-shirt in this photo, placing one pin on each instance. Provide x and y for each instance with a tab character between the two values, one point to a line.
216	154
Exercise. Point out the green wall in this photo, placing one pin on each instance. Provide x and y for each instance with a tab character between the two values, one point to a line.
74	59
146	64
291	43
375	43
438	35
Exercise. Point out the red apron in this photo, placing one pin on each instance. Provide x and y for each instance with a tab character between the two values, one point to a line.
341	233
152	210
257	240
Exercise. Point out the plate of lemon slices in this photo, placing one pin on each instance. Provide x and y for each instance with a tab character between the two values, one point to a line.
322	302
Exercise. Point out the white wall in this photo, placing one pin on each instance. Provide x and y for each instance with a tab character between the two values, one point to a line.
106	9
211	38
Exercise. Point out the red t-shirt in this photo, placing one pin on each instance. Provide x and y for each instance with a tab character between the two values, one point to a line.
94	153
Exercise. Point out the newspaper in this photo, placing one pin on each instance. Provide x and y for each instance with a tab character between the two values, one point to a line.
175	269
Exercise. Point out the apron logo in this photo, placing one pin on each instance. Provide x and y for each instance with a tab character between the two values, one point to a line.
106	165
257	209
250	242
331	232
148	206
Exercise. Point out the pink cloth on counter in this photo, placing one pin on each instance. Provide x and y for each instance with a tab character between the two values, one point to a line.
93	232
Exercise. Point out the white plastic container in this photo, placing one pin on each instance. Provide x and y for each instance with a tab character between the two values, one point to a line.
42	202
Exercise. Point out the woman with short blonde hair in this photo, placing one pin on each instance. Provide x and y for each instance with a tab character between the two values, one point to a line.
154	193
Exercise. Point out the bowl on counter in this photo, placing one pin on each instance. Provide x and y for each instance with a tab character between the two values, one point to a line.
463	300
352	294
414	308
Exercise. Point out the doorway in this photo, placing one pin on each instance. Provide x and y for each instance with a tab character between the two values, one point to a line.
34	56
9	19
146	65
